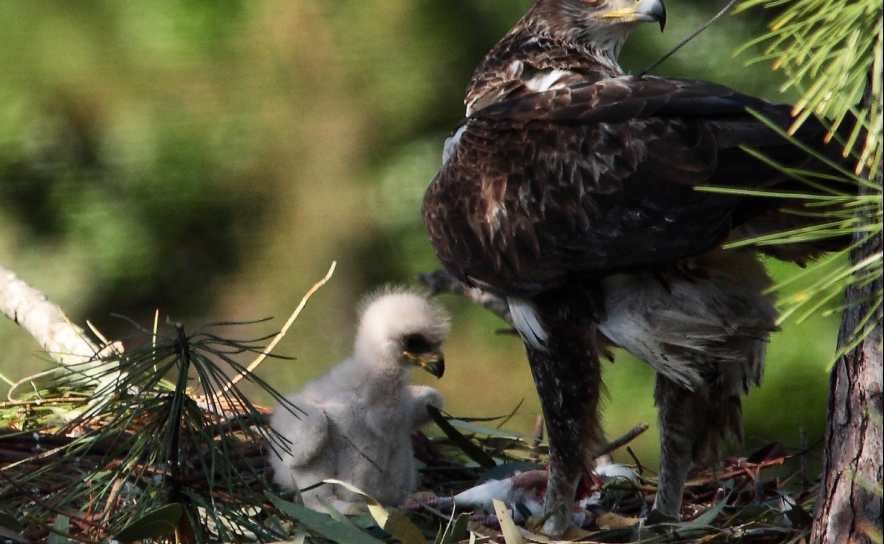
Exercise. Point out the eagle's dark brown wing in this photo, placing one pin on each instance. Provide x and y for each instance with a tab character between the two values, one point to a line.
601	177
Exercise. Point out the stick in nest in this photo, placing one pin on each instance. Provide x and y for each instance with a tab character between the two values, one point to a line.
615	445
284	330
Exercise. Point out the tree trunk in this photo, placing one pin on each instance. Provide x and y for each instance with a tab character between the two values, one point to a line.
849	508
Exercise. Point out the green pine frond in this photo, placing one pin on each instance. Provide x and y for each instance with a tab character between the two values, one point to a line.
826	48
831	52
165	428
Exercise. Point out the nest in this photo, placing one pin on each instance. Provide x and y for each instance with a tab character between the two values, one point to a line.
158	444
72	481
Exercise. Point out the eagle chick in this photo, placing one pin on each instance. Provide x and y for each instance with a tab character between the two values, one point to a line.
354	423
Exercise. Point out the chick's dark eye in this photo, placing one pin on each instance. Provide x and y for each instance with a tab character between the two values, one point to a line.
415	343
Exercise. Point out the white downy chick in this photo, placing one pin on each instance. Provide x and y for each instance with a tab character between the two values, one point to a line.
354	423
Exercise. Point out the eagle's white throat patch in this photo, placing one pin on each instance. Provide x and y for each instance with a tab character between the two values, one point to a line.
528	323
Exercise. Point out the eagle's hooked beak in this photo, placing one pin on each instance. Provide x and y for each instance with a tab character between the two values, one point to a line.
433	361
644	11
651	11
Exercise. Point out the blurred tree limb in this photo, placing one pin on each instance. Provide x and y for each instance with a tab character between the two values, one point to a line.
65	342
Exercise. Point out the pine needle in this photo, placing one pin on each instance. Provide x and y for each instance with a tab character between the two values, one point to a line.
285	328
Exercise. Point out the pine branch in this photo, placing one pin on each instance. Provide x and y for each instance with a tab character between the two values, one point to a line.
65	342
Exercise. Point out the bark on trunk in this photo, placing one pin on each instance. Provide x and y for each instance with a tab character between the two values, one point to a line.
849	508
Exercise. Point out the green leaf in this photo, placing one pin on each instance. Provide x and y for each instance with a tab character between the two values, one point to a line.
490	431
707	517
799	516
10	528
323	524
751	512
395	523
154	524
391	521
62	525
466	445
657	517
338	516
9	522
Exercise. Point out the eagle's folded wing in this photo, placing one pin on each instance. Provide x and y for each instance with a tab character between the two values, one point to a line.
602	177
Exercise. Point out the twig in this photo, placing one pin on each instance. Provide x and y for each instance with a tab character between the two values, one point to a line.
538	437
718	496
638	464
110	505
753	470
689	38
622	441
182	348
284	330
28	307
441	281
802	432
50	529
65	342
759	487
38	500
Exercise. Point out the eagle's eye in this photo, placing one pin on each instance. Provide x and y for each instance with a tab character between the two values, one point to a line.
416	343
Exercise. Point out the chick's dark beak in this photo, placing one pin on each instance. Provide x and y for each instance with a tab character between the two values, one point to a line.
433	361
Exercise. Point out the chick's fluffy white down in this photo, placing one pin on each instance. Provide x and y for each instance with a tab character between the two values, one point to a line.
358	418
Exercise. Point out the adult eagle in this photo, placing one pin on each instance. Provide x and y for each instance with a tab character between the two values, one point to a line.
571	191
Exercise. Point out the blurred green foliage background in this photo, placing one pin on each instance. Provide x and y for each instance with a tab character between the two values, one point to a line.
211	158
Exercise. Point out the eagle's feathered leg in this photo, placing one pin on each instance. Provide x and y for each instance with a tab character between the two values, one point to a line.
692	426
704	328
564	360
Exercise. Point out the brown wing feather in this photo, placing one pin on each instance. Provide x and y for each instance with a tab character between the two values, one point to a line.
520	57
598	178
